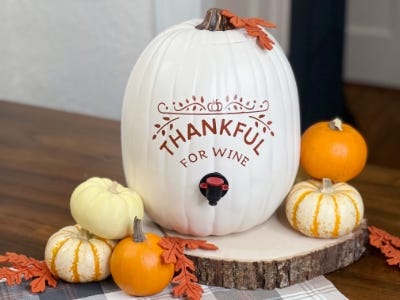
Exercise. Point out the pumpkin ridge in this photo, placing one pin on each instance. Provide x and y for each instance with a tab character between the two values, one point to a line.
296	207
93	201
82	188
71	233
131	205
335	231
104	182
315	224
97	271
314	183
105	241
300	186
74	267
54	254
353	201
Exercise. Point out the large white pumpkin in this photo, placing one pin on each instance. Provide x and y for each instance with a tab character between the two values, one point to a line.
202	104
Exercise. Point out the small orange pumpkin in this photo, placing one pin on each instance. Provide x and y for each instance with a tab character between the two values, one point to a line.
333	150
136	264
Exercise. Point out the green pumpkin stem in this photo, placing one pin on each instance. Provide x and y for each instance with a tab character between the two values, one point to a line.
138	235
85	234
326	185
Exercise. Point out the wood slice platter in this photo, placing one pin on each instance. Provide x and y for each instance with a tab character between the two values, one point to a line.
271	255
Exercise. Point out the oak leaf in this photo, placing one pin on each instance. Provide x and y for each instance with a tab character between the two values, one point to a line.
184	280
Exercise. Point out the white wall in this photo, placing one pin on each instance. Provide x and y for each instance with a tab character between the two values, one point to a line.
71	54
76	55
372	43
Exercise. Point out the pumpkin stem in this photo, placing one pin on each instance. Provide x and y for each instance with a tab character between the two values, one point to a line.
113	187
336	124
138	235
215	21
85	234
326	185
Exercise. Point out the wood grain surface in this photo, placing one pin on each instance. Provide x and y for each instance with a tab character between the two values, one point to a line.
376	115
45	154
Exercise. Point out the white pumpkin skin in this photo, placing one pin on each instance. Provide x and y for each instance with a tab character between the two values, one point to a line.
186	65
105	208
324	213
75	255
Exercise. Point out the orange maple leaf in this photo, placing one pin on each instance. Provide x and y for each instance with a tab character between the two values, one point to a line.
21	266
395	241
237	22
252	26
387	243
42	277
257	21
196	244
12	276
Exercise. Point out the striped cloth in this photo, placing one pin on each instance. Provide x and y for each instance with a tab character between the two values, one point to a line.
316	288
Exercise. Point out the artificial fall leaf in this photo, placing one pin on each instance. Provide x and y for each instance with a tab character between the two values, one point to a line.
252	27
12	276
192	291
375	240
184	264
387	243
172	250
237	22
262	39
20	266
192	244
184	280
395	241
228	14
257	21
42	278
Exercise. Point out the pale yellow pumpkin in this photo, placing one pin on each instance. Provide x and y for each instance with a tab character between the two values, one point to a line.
75	255
320	209
105	207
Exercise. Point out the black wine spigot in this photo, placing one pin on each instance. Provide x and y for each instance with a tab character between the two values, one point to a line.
213	186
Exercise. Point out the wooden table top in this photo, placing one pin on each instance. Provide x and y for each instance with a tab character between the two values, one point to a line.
45	154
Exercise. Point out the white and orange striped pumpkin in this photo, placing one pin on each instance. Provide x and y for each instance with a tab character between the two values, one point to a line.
324	210
205	103
75	255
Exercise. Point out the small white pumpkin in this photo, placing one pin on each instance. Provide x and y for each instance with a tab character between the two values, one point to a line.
75	255
320	209
105	208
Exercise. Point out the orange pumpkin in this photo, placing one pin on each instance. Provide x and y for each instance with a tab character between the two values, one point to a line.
136	264
333	150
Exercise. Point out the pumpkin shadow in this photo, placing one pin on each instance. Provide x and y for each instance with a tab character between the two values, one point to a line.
281	216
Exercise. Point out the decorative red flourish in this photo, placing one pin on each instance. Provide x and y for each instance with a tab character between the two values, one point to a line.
27	267
387	243
252	27
185	281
